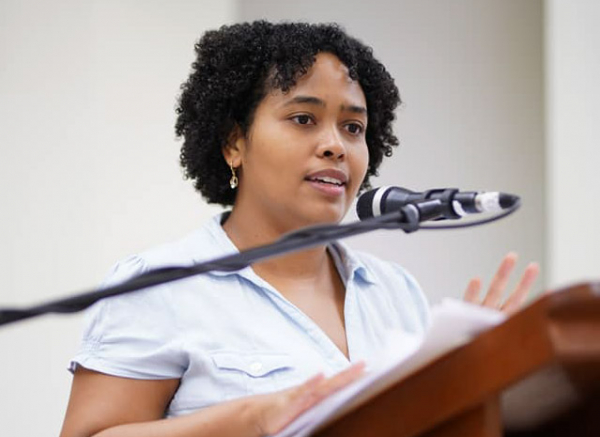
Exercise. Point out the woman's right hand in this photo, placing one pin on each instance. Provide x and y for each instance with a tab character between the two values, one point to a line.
277	410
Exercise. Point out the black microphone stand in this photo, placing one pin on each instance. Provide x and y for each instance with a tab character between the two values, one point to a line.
406	219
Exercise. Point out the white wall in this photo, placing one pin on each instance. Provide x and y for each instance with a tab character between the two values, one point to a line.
471	75
573	90
88	168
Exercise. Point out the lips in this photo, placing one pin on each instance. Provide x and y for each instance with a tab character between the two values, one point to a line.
329	176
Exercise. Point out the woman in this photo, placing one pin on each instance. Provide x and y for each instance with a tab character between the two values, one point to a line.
286	122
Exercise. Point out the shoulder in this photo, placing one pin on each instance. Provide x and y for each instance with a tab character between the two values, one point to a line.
207	242
155	301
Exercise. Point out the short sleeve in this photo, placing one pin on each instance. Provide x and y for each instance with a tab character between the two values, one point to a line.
132	335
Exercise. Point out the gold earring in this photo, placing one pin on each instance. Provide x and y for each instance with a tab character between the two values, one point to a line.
233	182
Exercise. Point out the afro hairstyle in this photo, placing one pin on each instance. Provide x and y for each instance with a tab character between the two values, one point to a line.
237	65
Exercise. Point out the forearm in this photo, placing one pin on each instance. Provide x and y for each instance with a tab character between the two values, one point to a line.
236	419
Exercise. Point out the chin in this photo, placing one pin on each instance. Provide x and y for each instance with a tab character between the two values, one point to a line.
326	215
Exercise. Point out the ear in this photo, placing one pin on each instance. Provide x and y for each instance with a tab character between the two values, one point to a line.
235	147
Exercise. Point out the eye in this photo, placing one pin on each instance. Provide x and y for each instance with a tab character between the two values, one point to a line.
354	128
303	119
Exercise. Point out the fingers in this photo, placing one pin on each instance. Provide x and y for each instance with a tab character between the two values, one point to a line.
494	294
341	379
278	409
472	291
311	384
319	387
493	298
517	298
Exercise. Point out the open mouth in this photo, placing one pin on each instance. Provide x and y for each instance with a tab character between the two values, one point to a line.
327	180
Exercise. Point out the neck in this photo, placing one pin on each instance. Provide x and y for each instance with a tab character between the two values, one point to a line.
247	232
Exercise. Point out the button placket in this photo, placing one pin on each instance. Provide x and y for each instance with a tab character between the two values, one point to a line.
330	351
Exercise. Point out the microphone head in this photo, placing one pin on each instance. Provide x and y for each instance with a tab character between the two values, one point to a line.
374	202
364	205
385	199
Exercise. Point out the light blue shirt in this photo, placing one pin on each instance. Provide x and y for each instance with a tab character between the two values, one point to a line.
228	335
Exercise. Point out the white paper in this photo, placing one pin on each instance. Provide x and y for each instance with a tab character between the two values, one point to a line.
453	323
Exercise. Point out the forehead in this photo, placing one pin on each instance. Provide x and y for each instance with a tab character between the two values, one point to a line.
328	79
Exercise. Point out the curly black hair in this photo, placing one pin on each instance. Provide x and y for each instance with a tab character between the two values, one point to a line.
237	65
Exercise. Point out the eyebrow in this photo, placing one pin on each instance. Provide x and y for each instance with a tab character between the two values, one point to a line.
354	108
316	101
305	99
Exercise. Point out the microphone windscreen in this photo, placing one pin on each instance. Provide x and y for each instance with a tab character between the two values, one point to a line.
364	205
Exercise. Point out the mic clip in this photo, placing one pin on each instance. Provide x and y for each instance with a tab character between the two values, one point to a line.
412	214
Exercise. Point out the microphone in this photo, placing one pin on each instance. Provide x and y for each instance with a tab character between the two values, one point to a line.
454	203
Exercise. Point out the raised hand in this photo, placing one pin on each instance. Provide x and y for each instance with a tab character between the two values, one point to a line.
494	295
277	410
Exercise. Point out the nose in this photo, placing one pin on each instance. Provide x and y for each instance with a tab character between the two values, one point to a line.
331	145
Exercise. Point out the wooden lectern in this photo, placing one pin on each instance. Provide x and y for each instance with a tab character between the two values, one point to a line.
536	374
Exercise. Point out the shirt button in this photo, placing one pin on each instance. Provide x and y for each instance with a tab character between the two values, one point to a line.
256	366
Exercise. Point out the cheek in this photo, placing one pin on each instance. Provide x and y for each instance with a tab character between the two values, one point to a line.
361	162
263	152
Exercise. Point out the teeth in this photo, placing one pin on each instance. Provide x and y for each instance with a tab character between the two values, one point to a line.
329	180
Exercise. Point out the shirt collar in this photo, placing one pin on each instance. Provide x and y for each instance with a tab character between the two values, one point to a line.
349	265
221	245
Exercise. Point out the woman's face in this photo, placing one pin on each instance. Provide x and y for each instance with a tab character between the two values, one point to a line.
305	155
